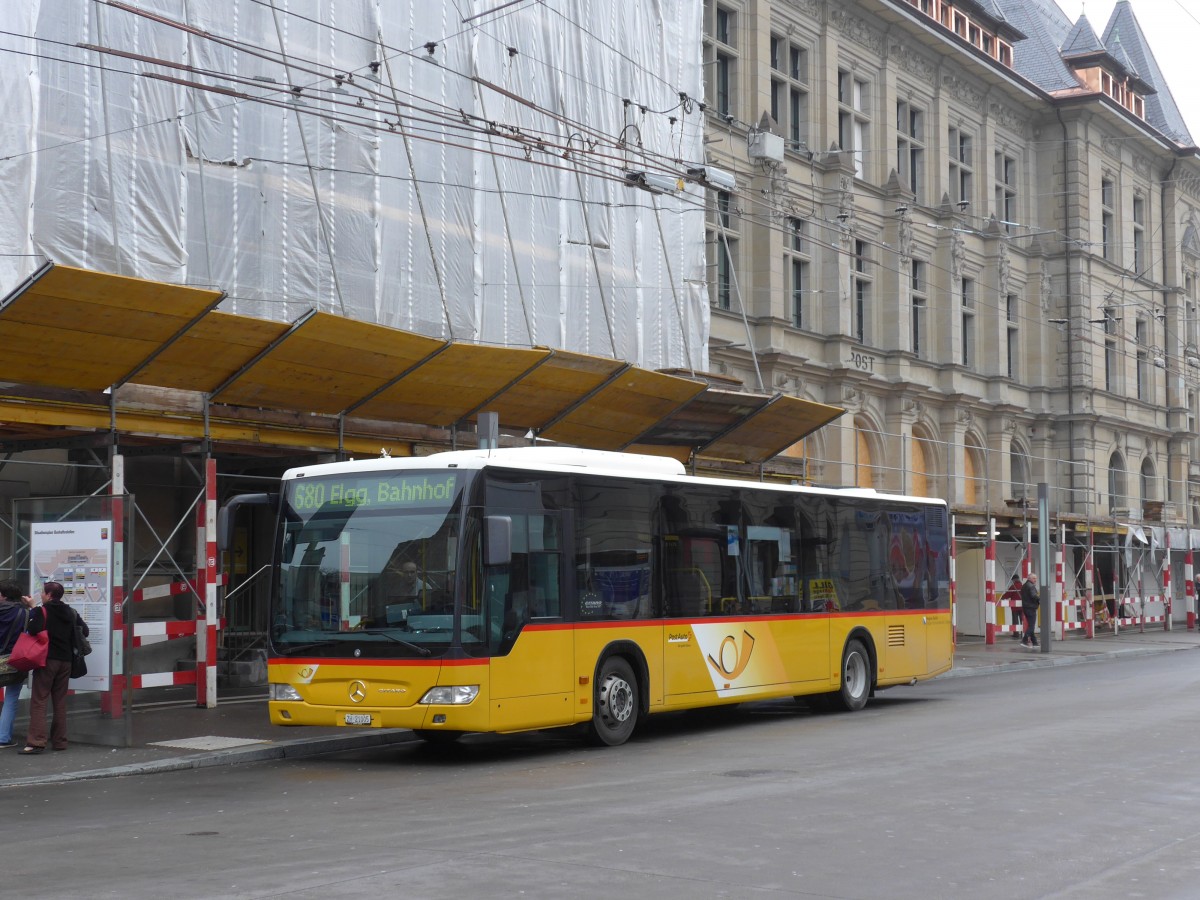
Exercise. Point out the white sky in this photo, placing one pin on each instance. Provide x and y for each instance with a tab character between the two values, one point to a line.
1172	28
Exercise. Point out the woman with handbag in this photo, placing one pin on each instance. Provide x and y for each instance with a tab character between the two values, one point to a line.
50	683
14	616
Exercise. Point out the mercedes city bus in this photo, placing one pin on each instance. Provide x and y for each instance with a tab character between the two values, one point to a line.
528	588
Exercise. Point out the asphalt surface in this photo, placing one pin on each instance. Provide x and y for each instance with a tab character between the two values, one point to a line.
173	733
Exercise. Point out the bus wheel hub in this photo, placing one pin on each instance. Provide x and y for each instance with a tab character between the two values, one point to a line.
616	699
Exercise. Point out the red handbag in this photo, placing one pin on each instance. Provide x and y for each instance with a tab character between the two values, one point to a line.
30	651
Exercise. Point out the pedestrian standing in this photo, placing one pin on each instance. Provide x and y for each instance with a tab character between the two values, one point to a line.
14	616
50	683
1030	601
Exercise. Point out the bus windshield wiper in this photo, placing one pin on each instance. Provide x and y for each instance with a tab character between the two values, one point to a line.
300	648
415	648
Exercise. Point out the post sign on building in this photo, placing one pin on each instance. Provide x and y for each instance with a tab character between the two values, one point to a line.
78	555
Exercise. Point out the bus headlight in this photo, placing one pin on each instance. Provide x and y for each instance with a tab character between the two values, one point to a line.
282	692
450	695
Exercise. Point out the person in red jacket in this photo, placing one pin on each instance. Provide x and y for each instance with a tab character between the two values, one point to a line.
50	683
1013	598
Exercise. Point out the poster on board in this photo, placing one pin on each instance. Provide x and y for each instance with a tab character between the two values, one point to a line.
78	555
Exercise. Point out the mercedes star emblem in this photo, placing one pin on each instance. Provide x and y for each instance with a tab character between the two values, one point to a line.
358	691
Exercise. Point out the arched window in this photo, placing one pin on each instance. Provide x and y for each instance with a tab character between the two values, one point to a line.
1018	466
972	466
1146	483
863	474
923	457
1116	483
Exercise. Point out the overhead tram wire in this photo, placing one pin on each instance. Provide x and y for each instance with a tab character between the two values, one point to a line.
317	71
577	125
283	98
321	75
494	10
324	76
282	102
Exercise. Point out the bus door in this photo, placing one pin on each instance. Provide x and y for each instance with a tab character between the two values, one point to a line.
710	643
700	589
532	667
898	566
774	570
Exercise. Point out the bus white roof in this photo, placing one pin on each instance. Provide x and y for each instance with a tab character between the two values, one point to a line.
571	459
553	458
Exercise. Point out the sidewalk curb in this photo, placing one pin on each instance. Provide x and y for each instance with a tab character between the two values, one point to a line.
297	748
1047	660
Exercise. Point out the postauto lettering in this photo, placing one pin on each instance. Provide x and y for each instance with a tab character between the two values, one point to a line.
380	492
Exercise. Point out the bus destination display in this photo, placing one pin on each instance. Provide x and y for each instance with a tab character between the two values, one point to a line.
383	491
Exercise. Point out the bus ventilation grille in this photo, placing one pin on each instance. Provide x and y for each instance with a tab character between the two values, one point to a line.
895	635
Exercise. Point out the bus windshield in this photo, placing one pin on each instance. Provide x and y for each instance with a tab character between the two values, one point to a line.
366	565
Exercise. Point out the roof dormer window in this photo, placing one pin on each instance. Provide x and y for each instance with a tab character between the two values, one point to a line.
1105	68
993	37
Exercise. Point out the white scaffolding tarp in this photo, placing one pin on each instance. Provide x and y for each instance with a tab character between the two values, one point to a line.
404	163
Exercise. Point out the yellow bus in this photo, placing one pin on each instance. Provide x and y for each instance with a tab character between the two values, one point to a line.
531	588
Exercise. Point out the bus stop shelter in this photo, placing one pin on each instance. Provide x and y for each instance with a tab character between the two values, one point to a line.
120	370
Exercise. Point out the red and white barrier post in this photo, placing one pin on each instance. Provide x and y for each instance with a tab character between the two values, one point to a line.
954	587
1026	568
206	584
1189	587
112	701
1166	577
1060	605
1089	591
989	584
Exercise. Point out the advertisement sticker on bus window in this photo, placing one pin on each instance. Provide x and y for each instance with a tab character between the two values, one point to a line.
731	540
823	593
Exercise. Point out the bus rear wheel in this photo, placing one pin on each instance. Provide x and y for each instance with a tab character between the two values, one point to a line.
615	704
856	678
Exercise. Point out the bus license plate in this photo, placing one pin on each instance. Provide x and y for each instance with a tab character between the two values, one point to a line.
358	718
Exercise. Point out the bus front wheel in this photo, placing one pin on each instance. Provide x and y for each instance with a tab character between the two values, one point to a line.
615	704
856	677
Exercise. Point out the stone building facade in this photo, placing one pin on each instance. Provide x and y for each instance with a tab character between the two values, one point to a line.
974	226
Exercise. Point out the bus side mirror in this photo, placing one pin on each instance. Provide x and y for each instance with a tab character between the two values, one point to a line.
227	513
497	540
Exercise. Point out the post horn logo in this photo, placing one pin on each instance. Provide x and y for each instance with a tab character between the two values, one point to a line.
740	656
358	692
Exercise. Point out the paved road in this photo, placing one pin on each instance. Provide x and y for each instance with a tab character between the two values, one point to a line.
1076	782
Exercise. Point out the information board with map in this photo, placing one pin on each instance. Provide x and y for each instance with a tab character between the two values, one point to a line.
78	555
